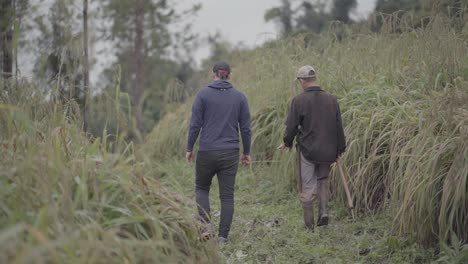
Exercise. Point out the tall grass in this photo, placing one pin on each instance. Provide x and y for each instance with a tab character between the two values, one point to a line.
65	199
403	98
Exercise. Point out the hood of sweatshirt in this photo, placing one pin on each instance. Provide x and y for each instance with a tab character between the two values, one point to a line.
220	84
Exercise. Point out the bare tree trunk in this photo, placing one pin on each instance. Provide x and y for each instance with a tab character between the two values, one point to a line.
85	65
16	27
138	88
286	17
6	32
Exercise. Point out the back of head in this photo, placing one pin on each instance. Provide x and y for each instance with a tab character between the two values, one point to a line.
222	70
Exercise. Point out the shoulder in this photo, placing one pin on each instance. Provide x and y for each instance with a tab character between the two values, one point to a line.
331	96
332	99
200	97
299	97
239	93
203	91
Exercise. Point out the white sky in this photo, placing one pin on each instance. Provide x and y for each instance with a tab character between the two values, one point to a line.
241	21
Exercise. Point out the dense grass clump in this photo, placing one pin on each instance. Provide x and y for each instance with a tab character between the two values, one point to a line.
66	199
403	98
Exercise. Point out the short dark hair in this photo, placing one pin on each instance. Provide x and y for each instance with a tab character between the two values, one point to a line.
222	75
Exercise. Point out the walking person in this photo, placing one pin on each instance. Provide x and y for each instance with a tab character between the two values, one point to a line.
219	111
315	119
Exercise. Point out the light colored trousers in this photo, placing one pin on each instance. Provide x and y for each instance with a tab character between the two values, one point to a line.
314	180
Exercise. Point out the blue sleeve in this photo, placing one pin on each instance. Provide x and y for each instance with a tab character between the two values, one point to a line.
196	122
244	125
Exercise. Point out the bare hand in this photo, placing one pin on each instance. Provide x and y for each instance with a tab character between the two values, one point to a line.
246	160
339	157
282	147
189	157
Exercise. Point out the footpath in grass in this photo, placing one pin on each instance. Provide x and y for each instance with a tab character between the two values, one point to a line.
268	225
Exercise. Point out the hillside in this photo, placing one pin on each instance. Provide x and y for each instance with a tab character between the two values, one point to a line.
403	97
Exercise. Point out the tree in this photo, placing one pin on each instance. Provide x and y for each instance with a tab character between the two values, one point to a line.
283	15
85	65
313	17
141	36
138	53
7	15
341	10
309	15
55	45
389	7
420	11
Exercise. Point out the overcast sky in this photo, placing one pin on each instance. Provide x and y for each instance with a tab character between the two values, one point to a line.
241	21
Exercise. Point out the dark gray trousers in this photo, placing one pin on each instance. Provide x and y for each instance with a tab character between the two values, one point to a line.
224	164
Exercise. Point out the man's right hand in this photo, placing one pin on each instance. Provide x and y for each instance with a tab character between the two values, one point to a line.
189	157
282	147
338	157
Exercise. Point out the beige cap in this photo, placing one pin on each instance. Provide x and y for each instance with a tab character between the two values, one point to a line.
306	72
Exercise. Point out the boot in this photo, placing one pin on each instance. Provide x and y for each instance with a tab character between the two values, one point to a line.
323	202
308	215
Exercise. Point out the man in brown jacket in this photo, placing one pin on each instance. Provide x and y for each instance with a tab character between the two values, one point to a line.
315	119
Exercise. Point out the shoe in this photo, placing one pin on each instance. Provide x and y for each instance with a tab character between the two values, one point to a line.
323	220
222	241
206	233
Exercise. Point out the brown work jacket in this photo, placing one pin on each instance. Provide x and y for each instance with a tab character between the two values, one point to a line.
315	119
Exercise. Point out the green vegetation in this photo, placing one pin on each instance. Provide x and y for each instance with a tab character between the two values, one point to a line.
268	226
67	198
403	98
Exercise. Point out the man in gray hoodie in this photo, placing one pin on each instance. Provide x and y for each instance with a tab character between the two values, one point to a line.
219	112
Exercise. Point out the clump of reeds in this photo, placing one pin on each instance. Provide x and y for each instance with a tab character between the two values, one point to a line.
66	199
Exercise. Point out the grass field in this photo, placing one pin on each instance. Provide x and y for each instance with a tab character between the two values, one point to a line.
64	199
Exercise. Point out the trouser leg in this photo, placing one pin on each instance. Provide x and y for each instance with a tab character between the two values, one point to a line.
205	170
228	165
323	193
308	191
308	175
308	208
